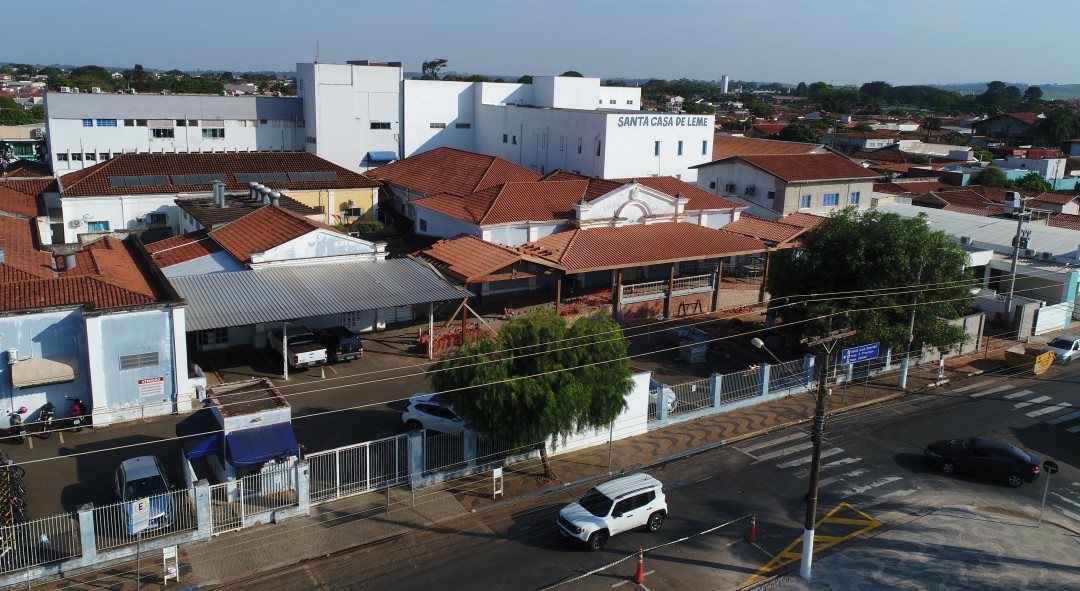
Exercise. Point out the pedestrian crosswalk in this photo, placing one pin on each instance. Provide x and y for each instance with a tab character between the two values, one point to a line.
847	476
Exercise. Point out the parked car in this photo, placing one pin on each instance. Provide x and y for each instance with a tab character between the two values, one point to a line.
341	344
425	412
625	503
1065	349
304	349
144	478
655	389
983	456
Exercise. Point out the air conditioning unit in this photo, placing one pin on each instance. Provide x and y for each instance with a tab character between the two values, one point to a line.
95	90
65	89
1030	253
965	240
1046	256
76	223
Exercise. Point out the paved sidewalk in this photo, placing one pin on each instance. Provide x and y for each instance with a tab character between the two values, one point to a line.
373	517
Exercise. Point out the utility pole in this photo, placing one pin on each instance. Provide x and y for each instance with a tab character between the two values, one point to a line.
826	343
1019	241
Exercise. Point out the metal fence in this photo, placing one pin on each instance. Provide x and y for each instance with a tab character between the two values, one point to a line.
39	541
488	451
787	375
359	468
740	385
692	396
274	487
169	513
442	451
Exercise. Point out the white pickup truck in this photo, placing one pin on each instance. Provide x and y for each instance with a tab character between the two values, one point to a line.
304	349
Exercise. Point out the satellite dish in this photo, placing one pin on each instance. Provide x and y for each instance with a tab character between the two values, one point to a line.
87	217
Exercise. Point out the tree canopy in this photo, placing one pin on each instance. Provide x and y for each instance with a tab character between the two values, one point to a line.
865	269
1034	181
991	177
797	132
538	380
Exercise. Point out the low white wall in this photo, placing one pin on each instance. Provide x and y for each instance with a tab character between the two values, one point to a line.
633	421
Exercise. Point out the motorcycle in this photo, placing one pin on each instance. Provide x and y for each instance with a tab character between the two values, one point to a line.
46	419
16	429
78	413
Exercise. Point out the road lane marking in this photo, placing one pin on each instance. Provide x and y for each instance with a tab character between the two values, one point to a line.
1016	395
991	391
1066	499
1063	418
971	387
800	461
1048	410
1030	402
858	490
786	451
771	442
832	464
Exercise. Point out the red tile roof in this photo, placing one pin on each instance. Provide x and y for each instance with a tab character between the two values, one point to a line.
110	260
590	249
448	170
808	167
1062	220
20	252
511	202
180	249
805	220
699	199
22	197
24	169
766	230
94	181
262	230
726	146
468	258
912	188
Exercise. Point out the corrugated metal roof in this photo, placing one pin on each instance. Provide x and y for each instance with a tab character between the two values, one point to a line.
241	298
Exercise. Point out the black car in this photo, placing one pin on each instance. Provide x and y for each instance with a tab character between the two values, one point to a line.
341	344
984	457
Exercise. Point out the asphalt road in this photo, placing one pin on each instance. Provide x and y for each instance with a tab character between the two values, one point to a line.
871	461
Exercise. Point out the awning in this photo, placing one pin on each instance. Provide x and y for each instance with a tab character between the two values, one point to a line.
200	434
382	156
255	445
44	370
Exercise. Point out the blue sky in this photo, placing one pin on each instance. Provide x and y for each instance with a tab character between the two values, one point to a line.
835	41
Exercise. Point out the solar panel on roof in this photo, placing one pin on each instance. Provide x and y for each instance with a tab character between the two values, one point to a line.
160	180
280	177
324	176
242	177
299	177
180	179
116	181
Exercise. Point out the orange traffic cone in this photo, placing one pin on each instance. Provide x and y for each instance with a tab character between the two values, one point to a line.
751	536
639	578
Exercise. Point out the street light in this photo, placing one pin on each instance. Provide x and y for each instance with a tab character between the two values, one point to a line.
760	344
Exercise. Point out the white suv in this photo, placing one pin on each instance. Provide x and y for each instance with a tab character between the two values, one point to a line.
629	502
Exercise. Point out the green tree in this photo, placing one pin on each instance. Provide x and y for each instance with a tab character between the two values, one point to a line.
430	70
1058	126
875	264
1032	95
526	79
1033	181
539	380
931	124
572	74
990	177
797	132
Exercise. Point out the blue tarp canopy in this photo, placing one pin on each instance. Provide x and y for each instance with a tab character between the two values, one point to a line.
200	434
382	156
255	445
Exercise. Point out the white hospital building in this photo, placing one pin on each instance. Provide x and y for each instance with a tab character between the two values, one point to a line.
361	115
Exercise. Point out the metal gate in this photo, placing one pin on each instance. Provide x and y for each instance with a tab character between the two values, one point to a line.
226	507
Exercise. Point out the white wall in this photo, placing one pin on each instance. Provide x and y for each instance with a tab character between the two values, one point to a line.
633	421
442	225
450	104
630	149
120	211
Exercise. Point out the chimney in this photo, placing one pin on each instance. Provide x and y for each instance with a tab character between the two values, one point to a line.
69	262
275	198
264	194
252	188
219	193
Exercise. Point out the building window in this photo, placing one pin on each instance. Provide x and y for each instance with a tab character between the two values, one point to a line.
730	187
562	143
157	218
712	184
613	102
513	139
599	144
579	145
630	102
804	202
463	126
438	125
380	125
854	198
680	147
213	338
87	122
423	225
192	122
749	190
106	123
102	226
771	194
213	133
76	156
831	200
91	156
656	148
61	158
277	123
299	123
504	138
138	360
140	123
103	156
129	123
162	132
181	122
704	147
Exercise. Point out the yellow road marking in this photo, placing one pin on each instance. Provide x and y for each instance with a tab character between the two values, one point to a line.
789	555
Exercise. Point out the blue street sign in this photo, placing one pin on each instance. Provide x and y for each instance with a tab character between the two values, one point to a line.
860	353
